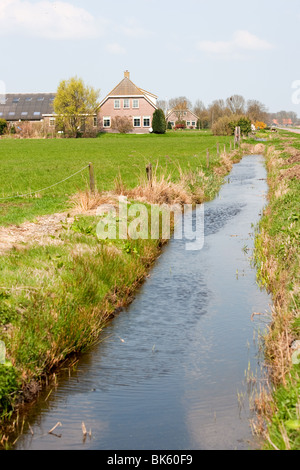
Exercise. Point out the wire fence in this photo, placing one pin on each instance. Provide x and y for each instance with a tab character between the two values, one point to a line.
44	189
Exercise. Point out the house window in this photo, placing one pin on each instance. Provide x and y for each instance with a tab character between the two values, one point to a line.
11	113
117	104
146	121
135	104
24	113
188	123
95	121
193	123
36	113
136	122
16	100
52	122
106	122
126	104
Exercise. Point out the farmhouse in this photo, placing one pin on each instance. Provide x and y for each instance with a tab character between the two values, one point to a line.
182	114
130	104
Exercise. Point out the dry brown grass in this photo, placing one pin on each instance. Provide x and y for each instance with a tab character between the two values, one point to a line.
162	190
86	201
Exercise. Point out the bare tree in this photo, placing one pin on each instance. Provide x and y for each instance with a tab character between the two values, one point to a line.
202	113
257	111
163	104
218	109
236	104
180	106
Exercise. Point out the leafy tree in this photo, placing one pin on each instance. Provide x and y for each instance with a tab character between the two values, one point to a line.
159	125
73	102
3	126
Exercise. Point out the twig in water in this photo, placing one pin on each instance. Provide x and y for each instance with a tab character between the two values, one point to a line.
53	429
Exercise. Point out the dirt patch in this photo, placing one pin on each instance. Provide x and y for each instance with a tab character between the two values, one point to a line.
294	155
290	173
44	231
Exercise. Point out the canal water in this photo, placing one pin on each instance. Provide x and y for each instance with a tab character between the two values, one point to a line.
170	371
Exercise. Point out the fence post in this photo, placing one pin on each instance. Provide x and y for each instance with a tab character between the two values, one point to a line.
92	178
225	149
207	158
149	173
218	149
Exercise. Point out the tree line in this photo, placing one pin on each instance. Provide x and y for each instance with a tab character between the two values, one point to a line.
235	105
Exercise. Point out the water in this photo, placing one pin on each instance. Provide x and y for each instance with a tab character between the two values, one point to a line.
170	368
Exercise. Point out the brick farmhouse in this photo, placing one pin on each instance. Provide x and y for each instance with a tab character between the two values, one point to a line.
127	101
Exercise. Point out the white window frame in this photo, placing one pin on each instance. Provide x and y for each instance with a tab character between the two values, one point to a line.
193	123
106	118
125	101
52	122
188	123
115	104
146	117
137	117
95	121
136	102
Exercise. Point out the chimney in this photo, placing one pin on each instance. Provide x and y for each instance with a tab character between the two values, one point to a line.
126	74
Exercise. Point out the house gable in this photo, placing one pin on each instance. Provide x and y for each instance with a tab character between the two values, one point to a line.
130	101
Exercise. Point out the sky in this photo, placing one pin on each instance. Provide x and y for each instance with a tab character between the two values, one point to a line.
204	50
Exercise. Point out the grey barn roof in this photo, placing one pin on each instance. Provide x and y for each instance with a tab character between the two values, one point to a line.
26	106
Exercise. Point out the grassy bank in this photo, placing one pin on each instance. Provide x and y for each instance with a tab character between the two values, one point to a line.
277	260
57	295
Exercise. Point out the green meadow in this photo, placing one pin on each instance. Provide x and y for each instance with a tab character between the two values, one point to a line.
29	166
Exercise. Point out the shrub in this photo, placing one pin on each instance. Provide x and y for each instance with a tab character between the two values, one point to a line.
260	125
223	126
169	126
227	124
122	124
3	126
159	122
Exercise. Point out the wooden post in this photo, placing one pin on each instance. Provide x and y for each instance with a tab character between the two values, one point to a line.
92	178
230	146
237	136
225	149
149	173
207	158
218	149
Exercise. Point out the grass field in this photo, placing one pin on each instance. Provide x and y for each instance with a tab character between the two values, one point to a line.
30	165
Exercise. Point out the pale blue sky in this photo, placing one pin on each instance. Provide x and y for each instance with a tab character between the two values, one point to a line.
201	49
